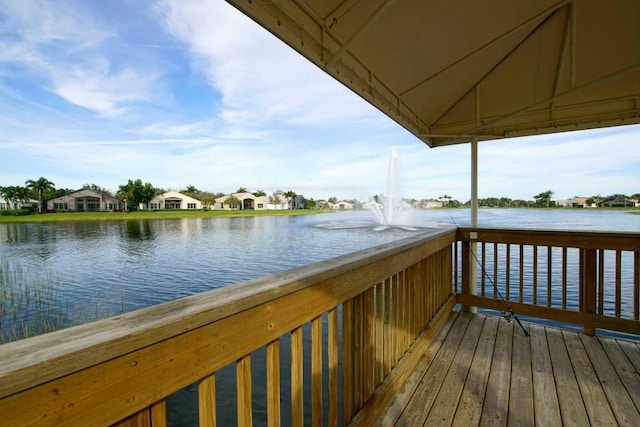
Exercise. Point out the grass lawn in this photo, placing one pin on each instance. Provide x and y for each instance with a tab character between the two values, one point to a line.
163	214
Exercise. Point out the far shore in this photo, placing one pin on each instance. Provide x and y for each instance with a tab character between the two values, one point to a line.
178	214
145	214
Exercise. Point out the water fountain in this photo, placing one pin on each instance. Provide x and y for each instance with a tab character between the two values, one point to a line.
390	209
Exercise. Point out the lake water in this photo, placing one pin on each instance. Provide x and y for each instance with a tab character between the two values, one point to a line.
100	268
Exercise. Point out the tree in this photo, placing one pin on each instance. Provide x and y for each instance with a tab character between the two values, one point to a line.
98	189
242	190
446	199
207	200
544	198
276	198
290	196
233	202
39	187
311	203
9	194
259	193
190	189
333	199
14	194
136	193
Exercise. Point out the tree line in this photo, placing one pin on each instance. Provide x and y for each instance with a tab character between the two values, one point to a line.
137	193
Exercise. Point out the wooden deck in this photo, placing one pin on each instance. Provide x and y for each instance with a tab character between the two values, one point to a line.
482	370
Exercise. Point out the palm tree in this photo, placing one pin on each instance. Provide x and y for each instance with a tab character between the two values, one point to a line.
40	186
290	196
276	198
9	194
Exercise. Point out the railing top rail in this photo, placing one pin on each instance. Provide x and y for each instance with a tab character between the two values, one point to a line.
562	238
33	361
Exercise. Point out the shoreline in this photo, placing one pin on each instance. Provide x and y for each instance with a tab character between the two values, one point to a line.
164	214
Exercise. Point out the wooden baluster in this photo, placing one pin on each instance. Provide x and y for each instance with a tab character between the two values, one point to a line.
466	254
297	362
139	419
273	383
456	286
521	272
159	414
388	327
564	278
357	352
243	385
316	371
636	285
535	275
368	339
483	268
379	331
332	366
207	401
507	278
347	362
618	281
601	282
153	416
549	276
495	270
588	285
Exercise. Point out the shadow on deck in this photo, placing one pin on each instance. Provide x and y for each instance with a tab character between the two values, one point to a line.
482	370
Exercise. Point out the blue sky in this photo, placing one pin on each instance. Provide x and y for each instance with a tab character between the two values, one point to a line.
181	92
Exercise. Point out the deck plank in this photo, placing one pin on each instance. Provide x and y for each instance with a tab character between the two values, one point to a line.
628	374
496	403
469	407
632	351
590	388
545	395
621	404
420	403
481	370
446	402
520	401
572	408
389	400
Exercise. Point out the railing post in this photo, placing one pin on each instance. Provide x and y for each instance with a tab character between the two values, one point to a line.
588	285
464	288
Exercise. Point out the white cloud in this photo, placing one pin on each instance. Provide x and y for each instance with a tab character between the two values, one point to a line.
260	79
103	90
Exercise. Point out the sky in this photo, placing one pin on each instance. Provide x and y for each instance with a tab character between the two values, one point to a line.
192	92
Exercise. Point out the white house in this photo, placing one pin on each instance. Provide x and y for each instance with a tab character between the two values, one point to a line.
247	202
343	205
4	205
173	200
85	200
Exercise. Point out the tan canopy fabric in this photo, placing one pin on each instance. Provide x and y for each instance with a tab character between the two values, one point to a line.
452	70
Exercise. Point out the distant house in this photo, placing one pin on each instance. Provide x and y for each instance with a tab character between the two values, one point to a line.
343	205
5	205
173	200
247	202
431	204
86	200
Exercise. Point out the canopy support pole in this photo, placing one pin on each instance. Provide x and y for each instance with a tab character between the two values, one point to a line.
473	264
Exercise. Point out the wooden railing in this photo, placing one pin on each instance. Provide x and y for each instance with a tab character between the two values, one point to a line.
585	278
352	317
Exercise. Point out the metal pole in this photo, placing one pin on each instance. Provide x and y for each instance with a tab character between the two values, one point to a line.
473	266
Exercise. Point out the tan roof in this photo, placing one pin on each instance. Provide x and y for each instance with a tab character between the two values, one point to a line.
449	70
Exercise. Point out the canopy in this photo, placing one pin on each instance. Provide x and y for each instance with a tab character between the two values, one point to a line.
450	71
